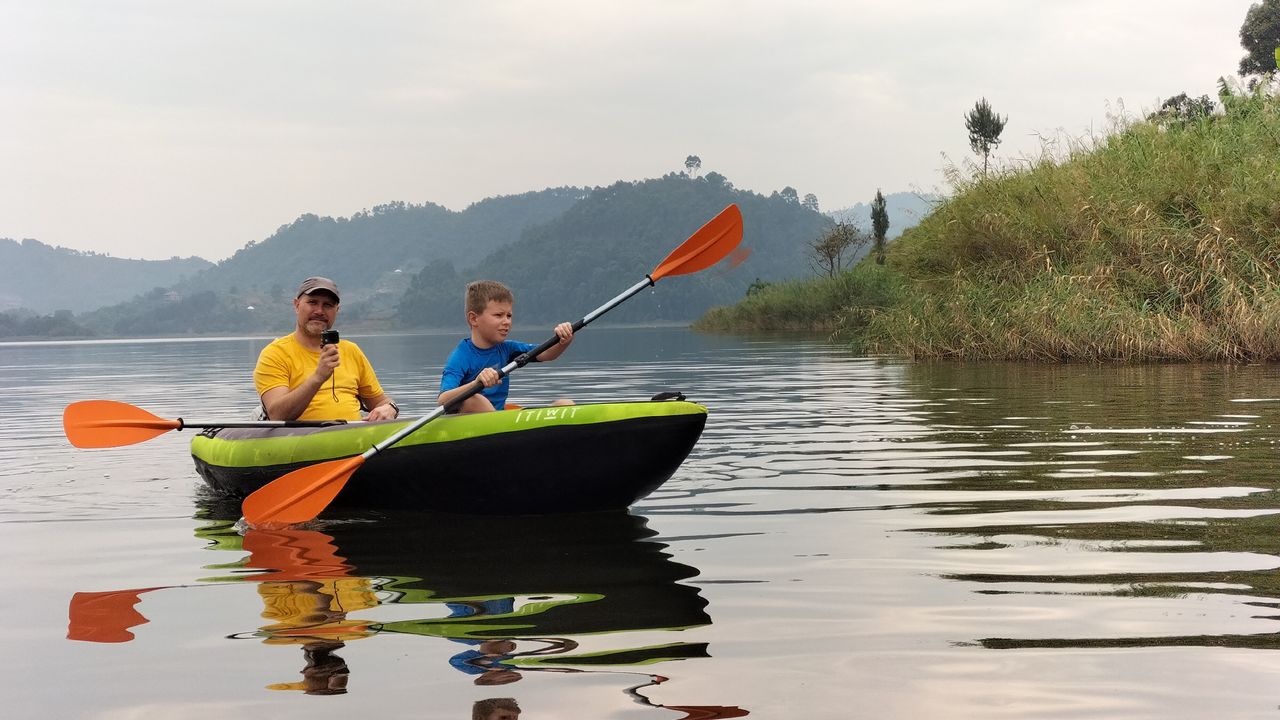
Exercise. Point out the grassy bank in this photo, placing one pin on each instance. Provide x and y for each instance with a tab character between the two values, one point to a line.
841	305
1159	242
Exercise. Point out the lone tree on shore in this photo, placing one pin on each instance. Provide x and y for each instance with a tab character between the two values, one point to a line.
879	225
1260	36
984	127
829	252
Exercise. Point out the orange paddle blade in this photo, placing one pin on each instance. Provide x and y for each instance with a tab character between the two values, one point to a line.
104	616
107	423
299	496
706	247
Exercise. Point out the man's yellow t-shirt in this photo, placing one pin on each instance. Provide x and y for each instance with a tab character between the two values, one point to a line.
286	363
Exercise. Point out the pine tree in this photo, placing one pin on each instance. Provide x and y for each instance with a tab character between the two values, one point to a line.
984	127
879	225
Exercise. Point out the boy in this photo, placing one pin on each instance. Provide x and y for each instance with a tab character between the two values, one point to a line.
478	357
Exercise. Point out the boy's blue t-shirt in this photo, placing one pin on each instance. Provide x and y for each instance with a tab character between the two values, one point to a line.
466	361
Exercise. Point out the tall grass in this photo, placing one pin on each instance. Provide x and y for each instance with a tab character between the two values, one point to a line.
841	305
1160	242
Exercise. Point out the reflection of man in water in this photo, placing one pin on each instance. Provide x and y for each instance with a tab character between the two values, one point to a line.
496	709
313	614
325	673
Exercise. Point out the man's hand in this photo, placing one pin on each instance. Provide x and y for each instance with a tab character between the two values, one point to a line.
385	411
329	361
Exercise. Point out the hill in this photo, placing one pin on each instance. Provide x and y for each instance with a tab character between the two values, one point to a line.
605	243
905	210
44	278
1156	243
564	251
371	255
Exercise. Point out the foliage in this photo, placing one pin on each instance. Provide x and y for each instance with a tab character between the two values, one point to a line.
1155	243
904	210
984	127
363	251
757	286
605	243
373	256
879	225
837	246
810	201
563	251
1181	109
1149	244
60	324
842	304
692	164
1260	37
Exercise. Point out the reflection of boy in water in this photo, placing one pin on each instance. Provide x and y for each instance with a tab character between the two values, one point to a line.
495	709
489	662
486	662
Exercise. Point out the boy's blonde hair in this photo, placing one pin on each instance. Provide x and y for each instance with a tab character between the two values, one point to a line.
481	292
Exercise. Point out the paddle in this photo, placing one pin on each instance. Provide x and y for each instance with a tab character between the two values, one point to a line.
305	493
107	423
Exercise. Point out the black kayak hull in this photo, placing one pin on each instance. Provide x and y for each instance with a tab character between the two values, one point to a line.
537	461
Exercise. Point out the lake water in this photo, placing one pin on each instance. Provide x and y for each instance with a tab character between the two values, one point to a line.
850	538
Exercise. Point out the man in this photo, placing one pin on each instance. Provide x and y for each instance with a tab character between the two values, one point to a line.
495	709
300	378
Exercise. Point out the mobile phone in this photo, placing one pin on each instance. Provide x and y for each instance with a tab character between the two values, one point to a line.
328	337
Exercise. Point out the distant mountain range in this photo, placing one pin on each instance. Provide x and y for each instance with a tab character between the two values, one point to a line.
905	210
562	250
43	278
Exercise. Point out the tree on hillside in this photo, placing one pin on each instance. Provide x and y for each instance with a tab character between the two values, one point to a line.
984	127
879	225
692	165
810	201
1260	36
1182	108
789	194
829	252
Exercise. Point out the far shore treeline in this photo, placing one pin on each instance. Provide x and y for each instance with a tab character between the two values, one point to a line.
403	267
1158	242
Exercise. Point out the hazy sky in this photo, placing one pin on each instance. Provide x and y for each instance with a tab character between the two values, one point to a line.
152	128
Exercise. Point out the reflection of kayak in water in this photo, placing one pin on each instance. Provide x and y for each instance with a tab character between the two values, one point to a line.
529	576
514	589
593	573
579	458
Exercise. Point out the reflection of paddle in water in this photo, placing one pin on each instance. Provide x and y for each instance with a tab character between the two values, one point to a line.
105	617
691	712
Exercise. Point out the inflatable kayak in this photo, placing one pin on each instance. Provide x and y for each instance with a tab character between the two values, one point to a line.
573	459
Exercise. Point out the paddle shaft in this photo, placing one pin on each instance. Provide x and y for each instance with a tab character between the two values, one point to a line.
183	424
516	363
